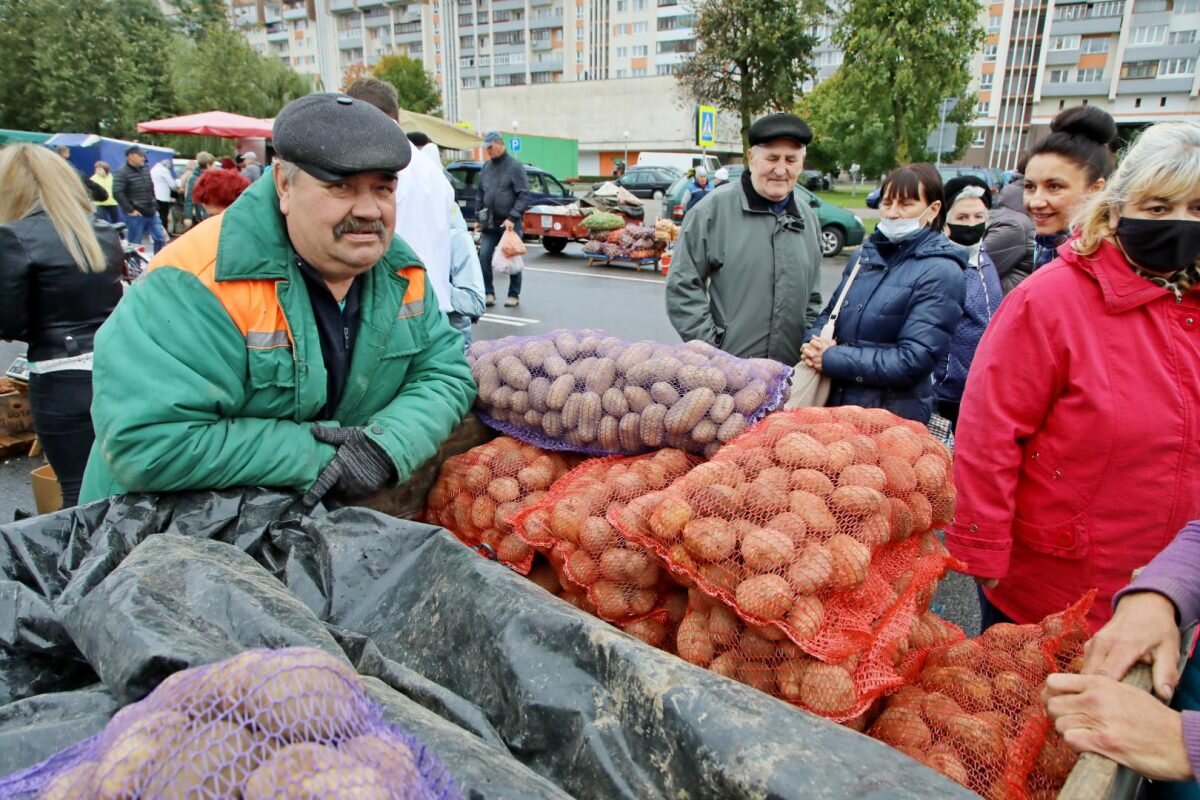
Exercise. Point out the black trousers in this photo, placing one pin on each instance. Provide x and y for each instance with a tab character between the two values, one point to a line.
164	213
989	615
109	214
61	403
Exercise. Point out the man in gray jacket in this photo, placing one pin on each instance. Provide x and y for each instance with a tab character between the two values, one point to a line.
745	276
501	199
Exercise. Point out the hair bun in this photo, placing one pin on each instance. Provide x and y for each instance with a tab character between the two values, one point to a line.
1087	121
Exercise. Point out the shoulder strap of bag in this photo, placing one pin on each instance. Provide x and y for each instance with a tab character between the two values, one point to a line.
837	307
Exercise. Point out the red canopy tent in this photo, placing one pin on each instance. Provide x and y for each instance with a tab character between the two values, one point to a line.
211	123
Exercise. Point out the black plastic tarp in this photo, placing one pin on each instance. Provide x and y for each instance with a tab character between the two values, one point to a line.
521	694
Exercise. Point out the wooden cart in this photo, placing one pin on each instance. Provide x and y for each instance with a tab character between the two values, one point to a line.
557	226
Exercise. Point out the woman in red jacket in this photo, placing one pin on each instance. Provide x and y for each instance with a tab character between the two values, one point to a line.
1078	449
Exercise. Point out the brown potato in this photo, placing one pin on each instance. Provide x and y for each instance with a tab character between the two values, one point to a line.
312	695
693	642
137	752
710	539
902	727
851	560
810	573
391	757
582	568
669	519
827	689
765	597
978	740
806	617
214	758
73	783
315	772
731	428
767	550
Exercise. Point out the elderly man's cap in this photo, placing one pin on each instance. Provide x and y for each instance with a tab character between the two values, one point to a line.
331	136
491	137
134	149
780	126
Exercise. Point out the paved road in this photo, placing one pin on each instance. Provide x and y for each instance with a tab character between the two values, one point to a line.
559	291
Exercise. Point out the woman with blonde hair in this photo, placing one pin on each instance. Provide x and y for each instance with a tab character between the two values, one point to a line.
1077	457
60	278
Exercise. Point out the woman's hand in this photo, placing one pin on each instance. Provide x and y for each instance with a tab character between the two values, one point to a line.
812	352
1143	628
1096	714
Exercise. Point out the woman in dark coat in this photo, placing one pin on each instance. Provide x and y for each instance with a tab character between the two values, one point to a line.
902	308
60	278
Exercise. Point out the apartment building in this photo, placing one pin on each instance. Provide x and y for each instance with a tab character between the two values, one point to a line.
1136	59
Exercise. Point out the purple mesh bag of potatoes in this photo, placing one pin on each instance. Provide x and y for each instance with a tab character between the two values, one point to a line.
292	723
588	392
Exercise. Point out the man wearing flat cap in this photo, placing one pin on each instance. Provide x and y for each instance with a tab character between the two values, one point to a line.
290	342
745	276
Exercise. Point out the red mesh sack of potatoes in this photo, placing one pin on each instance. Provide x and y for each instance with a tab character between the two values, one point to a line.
974	713
478	493
656	629
622	581
588	392
785	522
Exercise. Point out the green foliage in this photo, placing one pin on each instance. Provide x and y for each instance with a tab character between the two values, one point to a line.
102	66
416	89
902	58
752	55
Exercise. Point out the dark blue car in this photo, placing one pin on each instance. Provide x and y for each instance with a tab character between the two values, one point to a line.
544	188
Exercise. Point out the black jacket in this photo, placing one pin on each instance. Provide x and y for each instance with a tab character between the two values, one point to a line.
503	190
134	190
45	298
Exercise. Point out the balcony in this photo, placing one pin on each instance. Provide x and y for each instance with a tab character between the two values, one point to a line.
1160	85
350	40
365	4
299	12
1075	89
539	23
676	35
1086	26
1060	57
508	26
1155	52
536	3
1141	19
336	6
541	44
553	65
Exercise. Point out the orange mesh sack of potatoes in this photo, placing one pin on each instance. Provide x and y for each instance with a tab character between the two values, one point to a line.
263	724
623	582
589	392
785	524
656	629
974	713
478	493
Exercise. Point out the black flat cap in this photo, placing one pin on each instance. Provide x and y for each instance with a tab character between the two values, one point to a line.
779	126
331	136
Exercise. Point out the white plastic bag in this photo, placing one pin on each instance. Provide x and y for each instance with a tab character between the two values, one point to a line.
505	265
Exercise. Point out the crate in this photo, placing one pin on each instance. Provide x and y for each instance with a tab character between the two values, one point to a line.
15	416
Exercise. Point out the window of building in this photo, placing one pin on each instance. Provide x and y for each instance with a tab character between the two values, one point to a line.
641	27
994	23
1150	6
1147	34
640	51
1162	102
683	46
682	22
511	37
1187	6
622	5
1176	67
622	52
639	5
1139	69
638	73
1059	75
1089	75
1109	9
981	110
620	73
979	139
1096	44
541	77
666	69
985	80
989	52
408	27
1064	43
1182	37
1137	102
1069	12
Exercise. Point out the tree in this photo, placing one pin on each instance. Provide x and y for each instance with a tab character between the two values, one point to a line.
902	59
226	73
149	39
752	55
417	91
356	71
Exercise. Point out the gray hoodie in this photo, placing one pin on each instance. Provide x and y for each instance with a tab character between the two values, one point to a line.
1009	237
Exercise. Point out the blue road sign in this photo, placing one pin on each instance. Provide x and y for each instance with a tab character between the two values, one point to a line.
515	145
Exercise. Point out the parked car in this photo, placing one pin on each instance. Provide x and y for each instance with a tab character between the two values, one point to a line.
544	188
815	180
947	173
680	161
839	228
649	182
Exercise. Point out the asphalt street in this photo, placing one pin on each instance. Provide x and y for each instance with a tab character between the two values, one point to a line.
559	291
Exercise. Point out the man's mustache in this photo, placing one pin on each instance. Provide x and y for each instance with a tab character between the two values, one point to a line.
357	225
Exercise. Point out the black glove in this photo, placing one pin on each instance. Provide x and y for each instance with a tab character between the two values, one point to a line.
360	467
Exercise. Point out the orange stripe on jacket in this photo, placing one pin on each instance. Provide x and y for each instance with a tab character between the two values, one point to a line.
252	305
414	295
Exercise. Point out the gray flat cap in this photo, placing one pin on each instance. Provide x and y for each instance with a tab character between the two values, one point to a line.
780	126
331	136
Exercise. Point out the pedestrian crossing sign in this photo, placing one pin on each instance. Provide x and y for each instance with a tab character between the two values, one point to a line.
706	126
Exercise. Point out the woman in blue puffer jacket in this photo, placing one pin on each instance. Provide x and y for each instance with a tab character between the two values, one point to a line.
968	201
903	307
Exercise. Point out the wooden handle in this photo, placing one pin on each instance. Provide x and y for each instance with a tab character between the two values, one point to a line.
1094	774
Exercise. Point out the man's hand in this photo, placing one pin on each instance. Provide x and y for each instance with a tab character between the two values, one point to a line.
187	222
507	225
135	213
1143	628
1095	714
359	468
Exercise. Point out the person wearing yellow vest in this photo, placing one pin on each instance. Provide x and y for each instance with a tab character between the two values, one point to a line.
106	209
290	342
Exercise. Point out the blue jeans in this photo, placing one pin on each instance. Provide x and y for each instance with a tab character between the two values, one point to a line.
137	227
487	247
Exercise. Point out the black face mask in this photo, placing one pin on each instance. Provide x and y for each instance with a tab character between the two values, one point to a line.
1160	245
967	235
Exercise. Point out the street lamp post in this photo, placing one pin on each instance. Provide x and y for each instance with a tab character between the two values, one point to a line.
626	163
